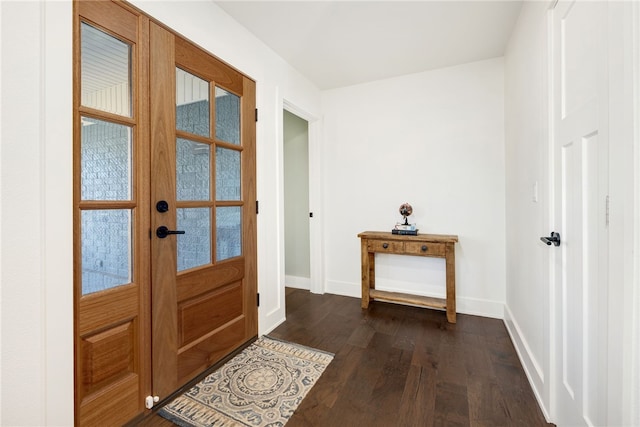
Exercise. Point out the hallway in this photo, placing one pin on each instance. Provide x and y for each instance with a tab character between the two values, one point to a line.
406	366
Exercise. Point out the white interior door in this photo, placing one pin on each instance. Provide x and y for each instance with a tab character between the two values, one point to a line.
580	177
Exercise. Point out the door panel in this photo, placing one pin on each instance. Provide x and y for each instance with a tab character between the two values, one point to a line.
204	293
581	189
209	312
111	218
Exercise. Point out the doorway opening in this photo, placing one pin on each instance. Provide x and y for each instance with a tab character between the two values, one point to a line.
297	214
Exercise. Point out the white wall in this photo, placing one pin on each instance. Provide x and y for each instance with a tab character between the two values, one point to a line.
526	135
36	281
433	139
36	188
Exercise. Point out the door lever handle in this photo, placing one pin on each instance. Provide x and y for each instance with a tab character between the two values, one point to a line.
554	238
163	232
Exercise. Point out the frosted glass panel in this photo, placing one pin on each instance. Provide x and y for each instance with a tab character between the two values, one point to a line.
194	246
227	116
106	249
106	72
228	232
106	160
192	98
227	174
192	170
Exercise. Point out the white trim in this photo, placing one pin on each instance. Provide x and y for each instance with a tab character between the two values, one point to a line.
272	326
532	368
480	307
271	270
347	289
1	209
57	212
297	282
632	402
621	374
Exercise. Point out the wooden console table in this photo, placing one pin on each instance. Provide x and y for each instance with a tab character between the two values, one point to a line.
430	245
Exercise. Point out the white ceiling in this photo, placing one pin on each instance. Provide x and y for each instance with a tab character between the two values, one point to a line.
341	43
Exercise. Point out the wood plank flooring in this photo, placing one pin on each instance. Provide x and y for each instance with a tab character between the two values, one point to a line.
396	365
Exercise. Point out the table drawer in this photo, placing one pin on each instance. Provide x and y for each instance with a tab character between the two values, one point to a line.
385	246
424	248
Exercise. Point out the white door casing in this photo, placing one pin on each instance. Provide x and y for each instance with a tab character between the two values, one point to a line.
580	180
315	196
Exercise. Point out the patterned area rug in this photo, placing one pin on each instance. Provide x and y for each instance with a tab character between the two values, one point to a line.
259	387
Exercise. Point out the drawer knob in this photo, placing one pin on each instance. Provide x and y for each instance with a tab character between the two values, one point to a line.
385	245
424	248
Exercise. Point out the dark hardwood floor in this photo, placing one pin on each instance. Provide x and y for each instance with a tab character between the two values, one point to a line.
405	366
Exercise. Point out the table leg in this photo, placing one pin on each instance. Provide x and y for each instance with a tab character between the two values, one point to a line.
365	273
372	270
450	257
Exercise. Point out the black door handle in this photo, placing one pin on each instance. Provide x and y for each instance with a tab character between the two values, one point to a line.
163	232
554	238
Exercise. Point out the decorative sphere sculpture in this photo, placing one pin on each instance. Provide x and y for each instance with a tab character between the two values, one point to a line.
405	211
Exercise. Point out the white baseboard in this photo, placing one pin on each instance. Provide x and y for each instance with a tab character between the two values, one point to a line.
297	282
480	307
473	306
533	370
346	289
271	327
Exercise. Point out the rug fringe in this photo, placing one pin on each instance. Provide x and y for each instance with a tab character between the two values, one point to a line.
296	349
187	411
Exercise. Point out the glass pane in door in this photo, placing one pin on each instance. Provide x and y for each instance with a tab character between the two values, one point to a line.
105	160
228	232
193	170
106	71
106	157
192	104
106	249
227	174
227	116
194	246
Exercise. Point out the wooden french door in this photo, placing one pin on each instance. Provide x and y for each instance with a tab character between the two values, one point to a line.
156	119
111	215
202	184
